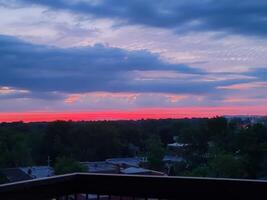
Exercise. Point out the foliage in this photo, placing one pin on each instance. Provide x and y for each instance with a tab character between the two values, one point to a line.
216	147
14	148
155	152
201	171
226	166
66	165
223	166
2	179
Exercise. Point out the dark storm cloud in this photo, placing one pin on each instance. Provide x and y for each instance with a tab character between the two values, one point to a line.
85	69
243	17
43	70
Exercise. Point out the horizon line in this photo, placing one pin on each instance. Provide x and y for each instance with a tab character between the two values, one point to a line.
134	114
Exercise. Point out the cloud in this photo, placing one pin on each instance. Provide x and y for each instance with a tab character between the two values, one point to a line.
38	77
88	69
260	73
244	17
245	86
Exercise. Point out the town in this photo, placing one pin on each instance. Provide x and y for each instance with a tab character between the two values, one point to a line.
231	147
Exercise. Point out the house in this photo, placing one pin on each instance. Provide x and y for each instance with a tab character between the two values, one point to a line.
140	171
177	149
127	162
38	171
101	167
177	145
15	174
26	173
129	165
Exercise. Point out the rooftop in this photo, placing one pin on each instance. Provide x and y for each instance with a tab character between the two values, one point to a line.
15	174
177	145
38	171
141	171
100	167
131	161
134	170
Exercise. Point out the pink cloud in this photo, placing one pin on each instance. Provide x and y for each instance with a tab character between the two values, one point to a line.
244	86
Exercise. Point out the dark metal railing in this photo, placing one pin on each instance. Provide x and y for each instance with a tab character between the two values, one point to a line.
79	185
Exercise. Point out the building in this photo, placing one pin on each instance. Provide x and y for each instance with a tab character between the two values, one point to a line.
101	167
127	162
140	171
15	175
177	145
38	171
26	173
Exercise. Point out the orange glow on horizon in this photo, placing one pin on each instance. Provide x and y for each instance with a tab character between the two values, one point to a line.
147	113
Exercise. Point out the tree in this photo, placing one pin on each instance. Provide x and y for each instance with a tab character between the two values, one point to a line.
155	152
14	149
252	144
200	171
197	140
66	165
217	125
2	178
226	166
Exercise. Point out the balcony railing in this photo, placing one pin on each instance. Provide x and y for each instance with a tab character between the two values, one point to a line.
80	185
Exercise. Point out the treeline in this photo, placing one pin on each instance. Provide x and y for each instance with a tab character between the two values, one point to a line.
218	148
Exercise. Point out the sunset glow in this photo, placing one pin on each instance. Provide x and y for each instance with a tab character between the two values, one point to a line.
156	113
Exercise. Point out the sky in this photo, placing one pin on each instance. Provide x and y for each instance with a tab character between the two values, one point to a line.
117	59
